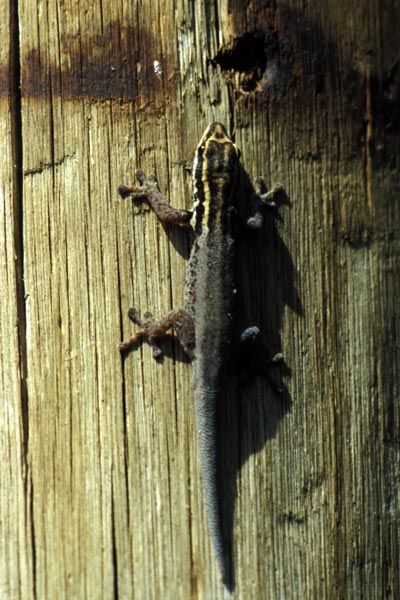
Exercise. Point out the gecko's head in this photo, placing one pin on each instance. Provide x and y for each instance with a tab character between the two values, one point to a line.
216	155
216	132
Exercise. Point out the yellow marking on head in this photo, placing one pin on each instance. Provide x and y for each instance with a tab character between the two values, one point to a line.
215	137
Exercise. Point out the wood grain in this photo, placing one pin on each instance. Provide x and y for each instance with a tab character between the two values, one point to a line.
100	489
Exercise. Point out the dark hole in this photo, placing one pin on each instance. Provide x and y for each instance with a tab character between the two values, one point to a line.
247	55
250	51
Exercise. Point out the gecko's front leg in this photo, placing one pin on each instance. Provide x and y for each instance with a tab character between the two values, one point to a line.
149	193
263	198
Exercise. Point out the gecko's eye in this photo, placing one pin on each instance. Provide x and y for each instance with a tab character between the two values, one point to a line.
200	149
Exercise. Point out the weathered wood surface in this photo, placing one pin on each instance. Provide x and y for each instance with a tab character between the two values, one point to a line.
100	490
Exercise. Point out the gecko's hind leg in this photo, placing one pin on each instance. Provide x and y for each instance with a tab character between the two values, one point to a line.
178	320
252	336
257	358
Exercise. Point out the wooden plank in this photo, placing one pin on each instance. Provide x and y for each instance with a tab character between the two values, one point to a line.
16	556
107	486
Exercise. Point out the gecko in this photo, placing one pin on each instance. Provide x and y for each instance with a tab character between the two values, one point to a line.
203	325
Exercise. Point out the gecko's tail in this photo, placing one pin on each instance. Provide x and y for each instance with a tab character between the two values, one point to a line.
205	405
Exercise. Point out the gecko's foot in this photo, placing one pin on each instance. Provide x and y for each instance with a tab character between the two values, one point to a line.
277	358
250	334
262	198
251	341
256	358
147	327
268	197
151	330
148	185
